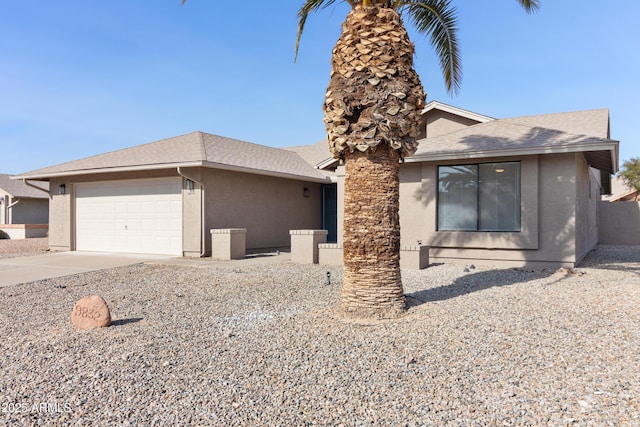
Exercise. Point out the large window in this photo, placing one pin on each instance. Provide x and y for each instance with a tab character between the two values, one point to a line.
481	197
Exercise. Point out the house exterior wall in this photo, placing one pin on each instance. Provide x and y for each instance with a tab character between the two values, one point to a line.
30	211
587	197
193	232
268	207
60	217
548	205
440	122
62	206
26	211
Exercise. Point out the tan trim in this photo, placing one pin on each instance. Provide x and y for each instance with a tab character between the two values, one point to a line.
433	105
46	176
205	164
511	152
221	166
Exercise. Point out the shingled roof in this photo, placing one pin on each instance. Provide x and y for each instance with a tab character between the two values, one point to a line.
583	131
193	149
20	189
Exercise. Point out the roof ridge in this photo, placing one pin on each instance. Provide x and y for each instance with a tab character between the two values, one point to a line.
558	113
203	146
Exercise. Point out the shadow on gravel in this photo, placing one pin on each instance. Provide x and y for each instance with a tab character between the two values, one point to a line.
474	282
122	322
621	258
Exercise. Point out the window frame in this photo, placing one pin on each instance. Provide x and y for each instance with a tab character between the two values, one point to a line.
478	208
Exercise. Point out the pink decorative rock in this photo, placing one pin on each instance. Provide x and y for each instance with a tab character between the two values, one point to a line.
91	312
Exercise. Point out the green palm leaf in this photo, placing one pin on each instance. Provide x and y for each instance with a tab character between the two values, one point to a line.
303	13
434	18
437	19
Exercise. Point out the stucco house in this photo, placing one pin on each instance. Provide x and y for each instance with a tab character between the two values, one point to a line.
24	208
164	197
503	191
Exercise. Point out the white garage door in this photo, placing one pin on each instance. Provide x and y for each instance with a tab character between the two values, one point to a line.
137	216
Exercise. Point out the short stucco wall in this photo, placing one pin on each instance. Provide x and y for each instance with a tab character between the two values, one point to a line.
24	231
411	257
229	243
619	223
304	245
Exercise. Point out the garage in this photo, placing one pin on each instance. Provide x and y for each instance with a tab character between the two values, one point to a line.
133	216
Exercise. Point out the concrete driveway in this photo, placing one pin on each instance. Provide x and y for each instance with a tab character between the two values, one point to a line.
37	267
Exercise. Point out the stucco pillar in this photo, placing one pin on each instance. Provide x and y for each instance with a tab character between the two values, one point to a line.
304	245
414	257
228	243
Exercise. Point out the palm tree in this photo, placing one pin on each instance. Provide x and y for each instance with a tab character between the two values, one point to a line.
371	110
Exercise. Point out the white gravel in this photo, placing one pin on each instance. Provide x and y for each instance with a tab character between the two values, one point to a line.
261	345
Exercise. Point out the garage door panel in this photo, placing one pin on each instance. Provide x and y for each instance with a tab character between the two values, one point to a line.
141	216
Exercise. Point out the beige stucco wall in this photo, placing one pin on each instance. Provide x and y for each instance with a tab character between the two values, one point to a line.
30	211
62	207
548	197
268	207
587	197
193	232
60	215
26	211
440	122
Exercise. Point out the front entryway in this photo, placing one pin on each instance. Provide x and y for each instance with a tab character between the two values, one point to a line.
330	211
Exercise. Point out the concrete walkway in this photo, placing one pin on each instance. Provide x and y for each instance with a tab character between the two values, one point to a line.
57	264
38	267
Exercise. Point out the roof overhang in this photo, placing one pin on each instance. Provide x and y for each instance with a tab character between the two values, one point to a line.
436	105
603	156
327	163
46	176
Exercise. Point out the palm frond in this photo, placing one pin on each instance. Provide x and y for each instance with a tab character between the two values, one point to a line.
437	18
530	6
308	7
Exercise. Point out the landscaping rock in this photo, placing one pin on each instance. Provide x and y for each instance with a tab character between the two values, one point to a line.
91	312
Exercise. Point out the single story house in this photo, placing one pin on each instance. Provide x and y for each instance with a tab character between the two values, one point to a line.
24	208
513	191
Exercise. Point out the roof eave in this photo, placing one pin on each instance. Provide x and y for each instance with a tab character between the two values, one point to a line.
276	174
44	176
327	163
47	176
611	146
481	118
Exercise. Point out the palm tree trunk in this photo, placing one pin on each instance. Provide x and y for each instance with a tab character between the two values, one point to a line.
372	285
372	110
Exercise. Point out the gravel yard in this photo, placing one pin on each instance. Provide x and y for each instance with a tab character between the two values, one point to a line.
261	345
10	248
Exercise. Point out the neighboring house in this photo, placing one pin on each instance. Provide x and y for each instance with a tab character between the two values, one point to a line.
511	191
621	192
23	204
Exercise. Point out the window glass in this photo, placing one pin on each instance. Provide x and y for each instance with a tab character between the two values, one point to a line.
499	198
484	197
457	197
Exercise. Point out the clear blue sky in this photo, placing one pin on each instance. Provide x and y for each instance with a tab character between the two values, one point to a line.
79	77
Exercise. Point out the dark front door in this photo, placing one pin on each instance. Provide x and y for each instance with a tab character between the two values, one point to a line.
330	211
